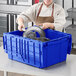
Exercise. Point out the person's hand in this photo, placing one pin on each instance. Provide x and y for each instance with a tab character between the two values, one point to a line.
20	22
47	25
20	26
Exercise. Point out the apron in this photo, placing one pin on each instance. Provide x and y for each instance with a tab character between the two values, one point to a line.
40	19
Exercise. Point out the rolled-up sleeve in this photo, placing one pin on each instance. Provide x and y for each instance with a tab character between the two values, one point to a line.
29	15
59	19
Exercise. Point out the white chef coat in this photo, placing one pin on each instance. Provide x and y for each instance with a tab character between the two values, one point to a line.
30	14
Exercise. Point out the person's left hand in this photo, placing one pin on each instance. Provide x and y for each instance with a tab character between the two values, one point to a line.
46	25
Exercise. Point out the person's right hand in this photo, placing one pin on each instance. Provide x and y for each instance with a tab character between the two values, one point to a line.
20	26
20	23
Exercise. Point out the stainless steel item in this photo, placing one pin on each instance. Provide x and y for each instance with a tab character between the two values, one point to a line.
9	10
72	13
72	27
72	30
31	33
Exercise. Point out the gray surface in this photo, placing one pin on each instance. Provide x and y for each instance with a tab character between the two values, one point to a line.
3	25
0	44
16	74
1	41
72	13
72	10
73	51
72	30
1	73
3	1
23	0
13	8
10	9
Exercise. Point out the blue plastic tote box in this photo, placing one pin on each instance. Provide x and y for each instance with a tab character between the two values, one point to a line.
37	53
